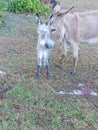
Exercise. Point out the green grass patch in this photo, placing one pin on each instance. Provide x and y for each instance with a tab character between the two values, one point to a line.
34	107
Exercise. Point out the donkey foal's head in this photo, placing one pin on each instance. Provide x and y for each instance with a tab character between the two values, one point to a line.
43	29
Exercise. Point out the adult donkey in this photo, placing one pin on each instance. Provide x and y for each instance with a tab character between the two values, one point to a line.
73	29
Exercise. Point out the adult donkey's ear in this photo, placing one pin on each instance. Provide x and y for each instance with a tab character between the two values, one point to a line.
38	20
53	3
50	21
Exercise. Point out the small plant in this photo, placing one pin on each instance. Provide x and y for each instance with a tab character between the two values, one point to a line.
1	14
39	7
34	6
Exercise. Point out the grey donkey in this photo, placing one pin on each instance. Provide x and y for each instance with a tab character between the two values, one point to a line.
44	46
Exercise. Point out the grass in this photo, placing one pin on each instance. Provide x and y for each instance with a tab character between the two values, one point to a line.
3	6
38	108
31	104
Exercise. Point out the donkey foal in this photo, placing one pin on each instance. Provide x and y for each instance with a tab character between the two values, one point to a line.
44	46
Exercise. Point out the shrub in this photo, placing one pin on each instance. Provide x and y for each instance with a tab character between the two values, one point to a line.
34	6
1	14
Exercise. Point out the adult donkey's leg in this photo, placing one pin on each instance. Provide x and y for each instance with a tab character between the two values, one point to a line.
75	57
65	51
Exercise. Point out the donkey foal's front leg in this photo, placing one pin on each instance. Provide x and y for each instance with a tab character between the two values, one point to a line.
48	72
38	71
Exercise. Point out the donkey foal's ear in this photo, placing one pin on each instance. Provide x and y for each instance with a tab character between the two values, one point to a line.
50	21
38	20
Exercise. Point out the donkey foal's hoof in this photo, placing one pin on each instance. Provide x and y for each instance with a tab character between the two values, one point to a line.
36	77
73	73
48	77
97	70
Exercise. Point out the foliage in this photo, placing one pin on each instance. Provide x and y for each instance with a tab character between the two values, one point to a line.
34	6
1	14
3	6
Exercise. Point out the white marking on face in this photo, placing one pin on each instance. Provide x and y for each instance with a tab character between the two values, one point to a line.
43	31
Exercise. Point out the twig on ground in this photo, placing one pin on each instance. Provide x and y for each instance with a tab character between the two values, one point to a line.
51	88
